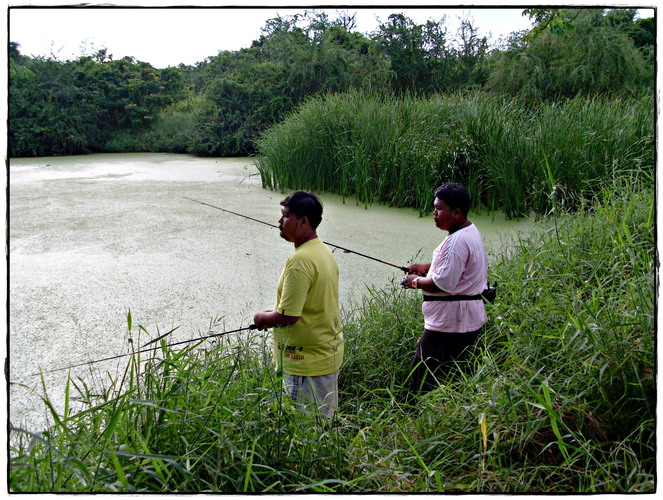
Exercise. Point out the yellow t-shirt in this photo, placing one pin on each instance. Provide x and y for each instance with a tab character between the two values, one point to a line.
308	288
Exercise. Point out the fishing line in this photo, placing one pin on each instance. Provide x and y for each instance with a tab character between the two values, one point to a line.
251	327
346	250
234	213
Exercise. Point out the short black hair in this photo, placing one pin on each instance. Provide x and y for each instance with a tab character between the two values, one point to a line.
455	196
305	204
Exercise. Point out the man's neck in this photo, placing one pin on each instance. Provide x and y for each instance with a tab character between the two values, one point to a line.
459	226
304	238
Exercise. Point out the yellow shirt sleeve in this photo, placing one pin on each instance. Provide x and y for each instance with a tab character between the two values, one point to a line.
295	286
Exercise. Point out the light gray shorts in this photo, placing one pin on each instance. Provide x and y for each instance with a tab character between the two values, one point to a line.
320	391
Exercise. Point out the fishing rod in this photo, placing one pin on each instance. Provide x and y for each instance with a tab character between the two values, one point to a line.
346	250
250	327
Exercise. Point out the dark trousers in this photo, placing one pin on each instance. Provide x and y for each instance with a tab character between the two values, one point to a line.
437	353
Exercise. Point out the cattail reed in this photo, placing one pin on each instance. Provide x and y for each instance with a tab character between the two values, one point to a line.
512	157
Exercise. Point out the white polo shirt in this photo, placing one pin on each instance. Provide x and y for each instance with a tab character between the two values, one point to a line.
459	267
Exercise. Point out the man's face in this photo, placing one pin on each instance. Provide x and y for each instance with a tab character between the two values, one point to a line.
289	224
444	217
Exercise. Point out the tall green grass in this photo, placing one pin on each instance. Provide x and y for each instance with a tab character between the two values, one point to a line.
558	396
512	157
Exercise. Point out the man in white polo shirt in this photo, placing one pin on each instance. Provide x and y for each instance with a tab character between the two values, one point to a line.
453	309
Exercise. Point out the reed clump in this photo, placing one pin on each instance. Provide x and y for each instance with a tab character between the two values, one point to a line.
557	397
512	155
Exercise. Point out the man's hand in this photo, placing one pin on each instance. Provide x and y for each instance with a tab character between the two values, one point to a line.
424	283
260	320
420	269
270	319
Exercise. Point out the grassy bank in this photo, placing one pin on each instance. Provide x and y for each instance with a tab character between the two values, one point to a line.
558	397
512	157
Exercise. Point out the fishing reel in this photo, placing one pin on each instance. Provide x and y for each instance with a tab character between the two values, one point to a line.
408	272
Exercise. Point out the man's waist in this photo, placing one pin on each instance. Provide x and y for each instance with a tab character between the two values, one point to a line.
451	298
488	295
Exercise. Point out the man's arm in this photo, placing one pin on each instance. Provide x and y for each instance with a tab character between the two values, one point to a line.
424	283
270	319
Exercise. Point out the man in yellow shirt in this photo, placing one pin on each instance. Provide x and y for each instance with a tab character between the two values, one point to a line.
308	337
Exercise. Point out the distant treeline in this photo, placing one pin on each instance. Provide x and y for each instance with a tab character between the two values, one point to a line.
222	106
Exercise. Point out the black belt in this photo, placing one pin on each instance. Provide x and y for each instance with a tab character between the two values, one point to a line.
488	295
451	298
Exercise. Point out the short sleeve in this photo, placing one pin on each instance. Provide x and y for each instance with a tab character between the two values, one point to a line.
449	265
296	284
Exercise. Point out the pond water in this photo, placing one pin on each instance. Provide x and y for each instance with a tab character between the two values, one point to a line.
92	237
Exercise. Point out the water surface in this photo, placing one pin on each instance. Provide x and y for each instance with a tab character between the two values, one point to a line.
92	237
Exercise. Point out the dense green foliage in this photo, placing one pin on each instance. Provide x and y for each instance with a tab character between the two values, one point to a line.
595	54
510	155
558	396
75	107
221	105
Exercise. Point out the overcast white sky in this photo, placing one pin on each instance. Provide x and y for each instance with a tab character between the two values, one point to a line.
171	35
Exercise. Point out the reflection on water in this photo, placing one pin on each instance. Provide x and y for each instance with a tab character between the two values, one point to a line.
92	237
